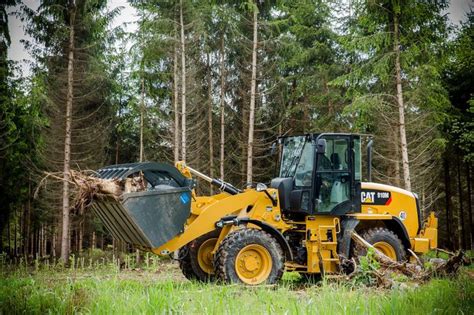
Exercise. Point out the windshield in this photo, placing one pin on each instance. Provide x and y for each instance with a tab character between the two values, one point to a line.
297	153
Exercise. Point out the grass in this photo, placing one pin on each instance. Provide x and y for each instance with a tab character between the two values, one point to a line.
110	291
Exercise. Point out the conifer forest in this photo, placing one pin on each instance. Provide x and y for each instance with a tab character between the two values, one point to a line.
215	84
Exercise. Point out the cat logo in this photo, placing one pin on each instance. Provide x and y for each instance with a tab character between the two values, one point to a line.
367	196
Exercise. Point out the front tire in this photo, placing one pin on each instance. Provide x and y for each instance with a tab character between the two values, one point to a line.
385	241
249	256
197	261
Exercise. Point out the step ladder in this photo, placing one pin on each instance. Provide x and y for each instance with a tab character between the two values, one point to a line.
327	244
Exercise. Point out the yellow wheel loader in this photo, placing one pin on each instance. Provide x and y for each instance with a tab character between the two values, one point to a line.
302	222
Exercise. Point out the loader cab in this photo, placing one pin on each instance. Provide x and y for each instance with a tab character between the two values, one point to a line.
319	174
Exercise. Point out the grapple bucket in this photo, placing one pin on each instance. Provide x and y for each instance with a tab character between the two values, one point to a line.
147	219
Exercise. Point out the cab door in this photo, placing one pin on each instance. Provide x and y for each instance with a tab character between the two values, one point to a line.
333	185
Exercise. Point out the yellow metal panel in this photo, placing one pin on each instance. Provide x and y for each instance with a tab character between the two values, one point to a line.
209	215
422	245
371	216
211	209
320	249
401	205
430	230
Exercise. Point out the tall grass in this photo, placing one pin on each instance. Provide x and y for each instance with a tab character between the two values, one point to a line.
110	291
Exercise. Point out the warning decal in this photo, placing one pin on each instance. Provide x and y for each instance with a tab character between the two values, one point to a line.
375	197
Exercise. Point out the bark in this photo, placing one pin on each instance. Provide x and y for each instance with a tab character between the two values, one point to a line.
447	189
330	104
401	106
397	161
117	148
461	237
81	237
14	234
142	113
175	104
209	120
93	241
183	84
8	236
222	106
253	87
45	241
53	243
67	141
26	223
469	203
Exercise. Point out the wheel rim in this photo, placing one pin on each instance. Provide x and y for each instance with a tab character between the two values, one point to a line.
205	255
386	249
253	264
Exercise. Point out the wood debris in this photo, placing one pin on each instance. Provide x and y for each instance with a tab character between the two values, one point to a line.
418	272
87	186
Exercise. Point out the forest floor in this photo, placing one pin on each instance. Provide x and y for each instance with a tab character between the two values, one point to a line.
109	290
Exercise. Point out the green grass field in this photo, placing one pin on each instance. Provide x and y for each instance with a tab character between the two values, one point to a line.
107	290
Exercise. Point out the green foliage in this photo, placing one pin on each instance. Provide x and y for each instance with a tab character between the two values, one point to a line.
367	265
458	79
164	292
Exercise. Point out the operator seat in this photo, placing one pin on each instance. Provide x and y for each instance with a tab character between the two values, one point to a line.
340	188
335	161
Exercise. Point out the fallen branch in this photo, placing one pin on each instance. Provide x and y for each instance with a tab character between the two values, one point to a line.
416	272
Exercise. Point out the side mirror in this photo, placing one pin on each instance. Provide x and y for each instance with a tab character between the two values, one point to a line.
321	146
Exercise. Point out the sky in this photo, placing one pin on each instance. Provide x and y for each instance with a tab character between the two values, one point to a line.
456	12
17	52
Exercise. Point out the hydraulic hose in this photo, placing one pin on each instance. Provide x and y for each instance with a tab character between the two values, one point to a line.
223	186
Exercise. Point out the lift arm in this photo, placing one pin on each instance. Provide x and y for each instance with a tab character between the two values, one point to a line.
223	186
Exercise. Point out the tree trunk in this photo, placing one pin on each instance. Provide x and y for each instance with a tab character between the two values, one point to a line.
222	106
183	85
396	159
117	148
401	106
469	204
8	236
142	113
461	237
330	104
41	240
53	243
81	236
447	189
15	233
253	87
209	120
175	104
93	241
45	241
67	141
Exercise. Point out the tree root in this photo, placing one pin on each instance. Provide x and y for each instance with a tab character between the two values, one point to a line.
419	272
86	187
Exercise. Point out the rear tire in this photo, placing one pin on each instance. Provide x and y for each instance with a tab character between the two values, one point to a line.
249	256
384	240
197	262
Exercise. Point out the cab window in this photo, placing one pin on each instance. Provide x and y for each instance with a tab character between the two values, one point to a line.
304	170
332	184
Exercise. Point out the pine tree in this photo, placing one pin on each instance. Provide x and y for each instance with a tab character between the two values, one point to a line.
395	47
75	90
